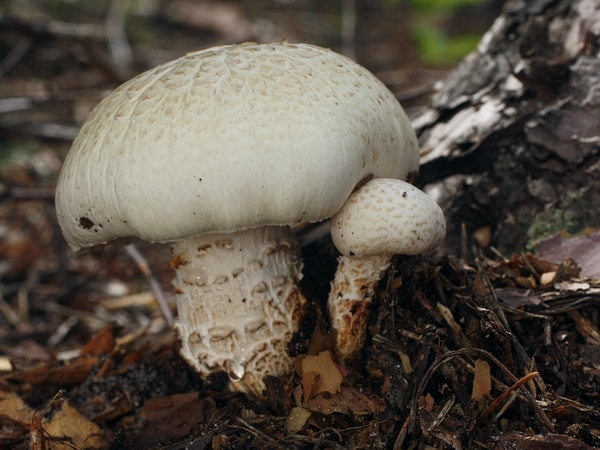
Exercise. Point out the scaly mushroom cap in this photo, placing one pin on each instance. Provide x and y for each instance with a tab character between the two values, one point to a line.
387	217
230	138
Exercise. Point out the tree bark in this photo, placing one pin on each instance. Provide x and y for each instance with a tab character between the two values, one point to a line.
511	140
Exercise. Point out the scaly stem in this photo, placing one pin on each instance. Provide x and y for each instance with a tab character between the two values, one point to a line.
350	297
239	303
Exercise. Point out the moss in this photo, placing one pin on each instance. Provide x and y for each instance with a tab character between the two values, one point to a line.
571	215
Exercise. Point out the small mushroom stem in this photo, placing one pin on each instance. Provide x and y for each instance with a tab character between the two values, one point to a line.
239	303
383	217
350	297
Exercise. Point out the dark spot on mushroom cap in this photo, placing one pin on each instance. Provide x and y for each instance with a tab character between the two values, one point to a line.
85	223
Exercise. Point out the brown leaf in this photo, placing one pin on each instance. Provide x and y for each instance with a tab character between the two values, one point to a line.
584	249
349	400
14	409
321	374
158	408
321	340
482	382
70	425
71	373
101	344
174	418
309	382
517	298
426	403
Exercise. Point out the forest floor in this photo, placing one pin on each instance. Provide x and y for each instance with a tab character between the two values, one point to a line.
467	349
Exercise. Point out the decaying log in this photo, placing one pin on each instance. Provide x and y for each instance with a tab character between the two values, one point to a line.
511	141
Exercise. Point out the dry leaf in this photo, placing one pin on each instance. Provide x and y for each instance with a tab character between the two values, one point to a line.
547	278
584	248
14	409
483	236
321	341
321	374
482	383
349	400
426	403
405	360
101	344
526	282
73	372
70	424
160	407
170	419
297	419
309	384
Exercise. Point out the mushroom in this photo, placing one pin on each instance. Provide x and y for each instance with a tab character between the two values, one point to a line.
382	218
219	152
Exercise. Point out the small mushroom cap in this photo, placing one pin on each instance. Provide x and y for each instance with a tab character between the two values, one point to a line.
230	138
387	216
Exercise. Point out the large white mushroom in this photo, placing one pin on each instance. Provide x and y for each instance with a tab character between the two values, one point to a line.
218	152
382	218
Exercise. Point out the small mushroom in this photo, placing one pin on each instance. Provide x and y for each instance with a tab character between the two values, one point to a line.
382	218
218	153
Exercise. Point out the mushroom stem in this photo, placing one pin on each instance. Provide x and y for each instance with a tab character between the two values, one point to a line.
350	297
239	303
381	218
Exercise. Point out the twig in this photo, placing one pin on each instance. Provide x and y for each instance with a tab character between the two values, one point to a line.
402	434
75	30
47	130
39	436
61	332
570	305
43	29
414	93
26	193
464	247
23	294
255	431
442	414
15	55
506	393
9	314
8	105
144	267
95	319
466	351
349	28
494	304
117	36
585	327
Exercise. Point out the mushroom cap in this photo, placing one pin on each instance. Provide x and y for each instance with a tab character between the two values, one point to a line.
230	138
387	217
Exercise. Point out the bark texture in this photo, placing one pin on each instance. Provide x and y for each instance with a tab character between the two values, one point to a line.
511	141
